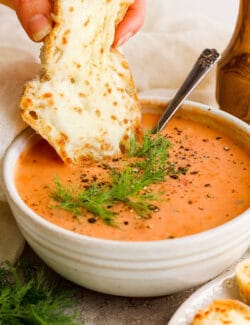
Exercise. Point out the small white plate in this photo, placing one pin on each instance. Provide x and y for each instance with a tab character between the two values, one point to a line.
222	287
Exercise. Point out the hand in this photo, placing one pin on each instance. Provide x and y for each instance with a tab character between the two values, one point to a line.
34	16
131	23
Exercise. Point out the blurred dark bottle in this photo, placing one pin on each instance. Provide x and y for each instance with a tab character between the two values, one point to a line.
233	70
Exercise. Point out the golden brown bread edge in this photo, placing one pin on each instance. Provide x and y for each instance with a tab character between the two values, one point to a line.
242	276
218	313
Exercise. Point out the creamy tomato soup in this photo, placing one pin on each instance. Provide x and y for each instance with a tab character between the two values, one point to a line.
213	190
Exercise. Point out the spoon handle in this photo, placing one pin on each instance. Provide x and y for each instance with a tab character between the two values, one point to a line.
202	66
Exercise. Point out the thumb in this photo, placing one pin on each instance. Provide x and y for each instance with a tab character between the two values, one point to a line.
34	15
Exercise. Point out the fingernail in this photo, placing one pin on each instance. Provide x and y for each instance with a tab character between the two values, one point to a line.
39	27
124	39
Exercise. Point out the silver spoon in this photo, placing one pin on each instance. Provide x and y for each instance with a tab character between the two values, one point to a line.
203	65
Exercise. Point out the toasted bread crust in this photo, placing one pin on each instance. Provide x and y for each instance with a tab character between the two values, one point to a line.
242	275
84	102
222	312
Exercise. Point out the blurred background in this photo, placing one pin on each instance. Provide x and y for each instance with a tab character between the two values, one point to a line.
160	55
174	34
220	12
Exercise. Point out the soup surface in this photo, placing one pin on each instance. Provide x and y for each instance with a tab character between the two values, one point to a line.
213	190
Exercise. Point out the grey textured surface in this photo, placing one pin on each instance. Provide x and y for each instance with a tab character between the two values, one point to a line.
99	309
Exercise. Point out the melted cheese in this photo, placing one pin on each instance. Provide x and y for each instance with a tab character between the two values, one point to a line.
85	102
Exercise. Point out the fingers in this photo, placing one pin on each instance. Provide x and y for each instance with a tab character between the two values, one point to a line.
9	3
34	15
131	23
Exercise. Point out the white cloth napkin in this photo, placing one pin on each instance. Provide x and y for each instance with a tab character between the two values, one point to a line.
160	57
13	74
16	67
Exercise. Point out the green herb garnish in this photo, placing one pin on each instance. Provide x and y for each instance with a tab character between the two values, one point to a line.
147	165
95	199
26	297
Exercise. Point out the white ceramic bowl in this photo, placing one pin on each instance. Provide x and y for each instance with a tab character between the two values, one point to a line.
136	269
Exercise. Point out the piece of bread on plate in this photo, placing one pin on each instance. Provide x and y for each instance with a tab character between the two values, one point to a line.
242	275
84	103
223	312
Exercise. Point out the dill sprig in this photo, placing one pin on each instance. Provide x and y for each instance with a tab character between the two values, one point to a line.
94	199
126	185
26	297
154	150
151	144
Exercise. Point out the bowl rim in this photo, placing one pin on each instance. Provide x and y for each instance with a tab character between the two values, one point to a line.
12	193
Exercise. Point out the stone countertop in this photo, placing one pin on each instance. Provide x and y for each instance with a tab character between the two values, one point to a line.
101	309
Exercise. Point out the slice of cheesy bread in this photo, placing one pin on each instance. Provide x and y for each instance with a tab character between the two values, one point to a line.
242	275
84	103
224	312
